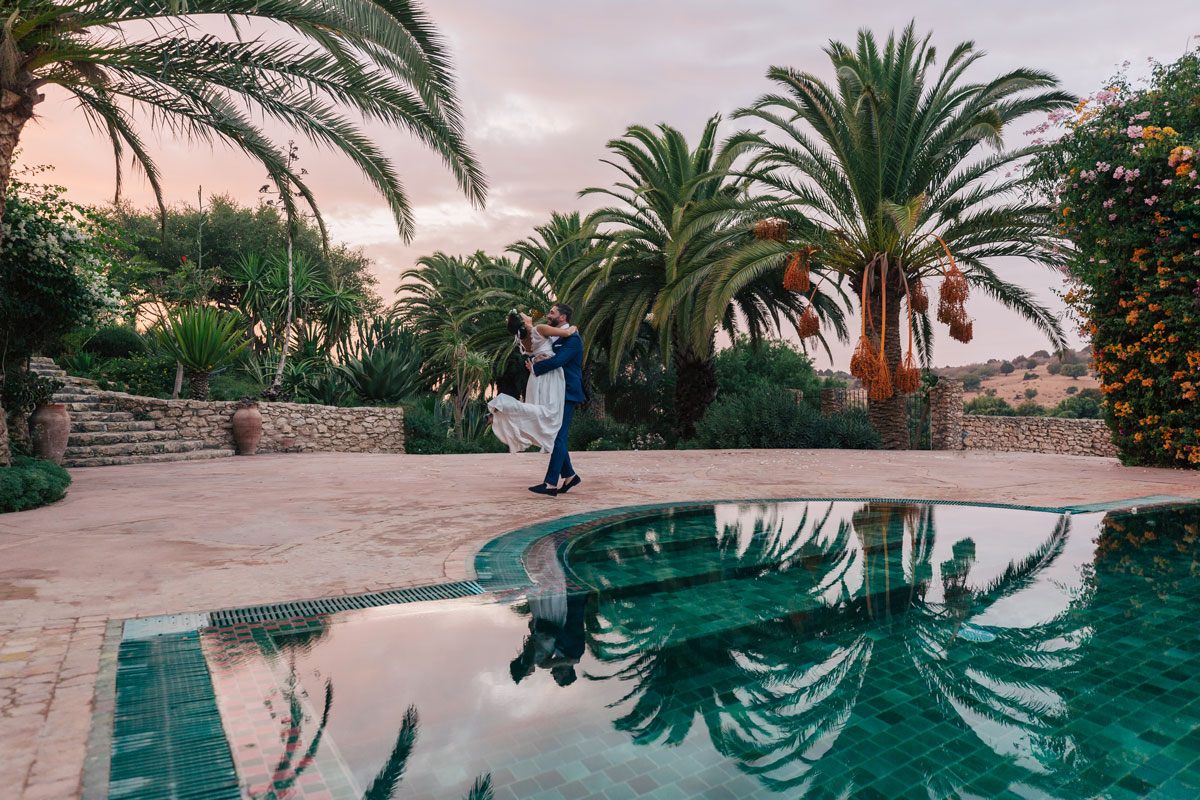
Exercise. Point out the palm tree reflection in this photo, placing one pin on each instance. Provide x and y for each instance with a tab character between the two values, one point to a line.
791	634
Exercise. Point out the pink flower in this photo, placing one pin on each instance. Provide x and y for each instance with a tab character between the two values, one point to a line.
1166	181
1134	131
1151	200
1109	203
1111	217
1143	115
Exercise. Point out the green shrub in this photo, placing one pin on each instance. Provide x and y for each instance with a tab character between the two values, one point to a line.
607	444
31	482
1030	393
1072	389
990	406
384	376
746	365
115	341
1074	371
770	417
82	364
1054	367
1029	376
1006	368
148	375
232	385
429	429
1078	407
971	382
852	430
586	429
1030	409
328	388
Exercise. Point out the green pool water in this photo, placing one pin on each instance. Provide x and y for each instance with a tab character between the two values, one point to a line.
799	649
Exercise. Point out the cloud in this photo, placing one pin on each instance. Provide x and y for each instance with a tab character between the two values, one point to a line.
523	120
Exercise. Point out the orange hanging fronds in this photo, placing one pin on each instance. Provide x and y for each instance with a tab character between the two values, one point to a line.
775	230
796	278
864	360
880	388
962	329
918	300
809	324
908	375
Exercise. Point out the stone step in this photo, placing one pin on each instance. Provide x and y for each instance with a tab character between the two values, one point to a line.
74	397
90	405
134	448
157	458
100	416
94	426
94	438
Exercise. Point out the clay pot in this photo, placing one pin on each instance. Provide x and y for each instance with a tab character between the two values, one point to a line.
49	428
247	429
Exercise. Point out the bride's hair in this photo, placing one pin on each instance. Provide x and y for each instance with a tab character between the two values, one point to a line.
516	325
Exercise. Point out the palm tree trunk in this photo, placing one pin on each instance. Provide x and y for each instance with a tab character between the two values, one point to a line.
890	417
198	385
695	390
16	108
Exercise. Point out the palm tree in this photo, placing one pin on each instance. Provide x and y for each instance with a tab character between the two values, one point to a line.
383	61
680	213
891	172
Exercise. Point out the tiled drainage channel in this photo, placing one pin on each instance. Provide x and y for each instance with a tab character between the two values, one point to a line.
168	740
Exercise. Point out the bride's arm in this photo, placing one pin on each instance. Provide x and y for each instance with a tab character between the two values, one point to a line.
550	330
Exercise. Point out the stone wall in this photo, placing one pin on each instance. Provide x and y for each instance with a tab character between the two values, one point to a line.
833	400
287	427
946	415
1072	437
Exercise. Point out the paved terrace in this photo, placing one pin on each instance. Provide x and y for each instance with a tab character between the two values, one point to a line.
169	538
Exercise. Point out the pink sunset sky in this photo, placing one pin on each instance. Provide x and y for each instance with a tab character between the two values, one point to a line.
545	84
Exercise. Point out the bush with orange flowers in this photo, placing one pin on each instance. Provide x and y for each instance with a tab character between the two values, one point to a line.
1124	176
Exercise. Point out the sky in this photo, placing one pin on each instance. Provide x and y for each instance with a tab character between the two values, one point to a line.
546	83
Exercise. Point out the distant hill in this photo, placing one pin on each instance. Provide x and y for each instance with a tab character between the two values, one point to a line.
1039	371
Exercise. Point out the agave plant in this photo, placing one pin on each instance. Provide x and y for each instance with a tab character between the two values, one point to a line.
202	339
384	376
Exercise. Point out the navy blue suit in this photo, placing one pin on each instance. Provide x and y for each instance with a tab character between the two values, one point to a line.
568	354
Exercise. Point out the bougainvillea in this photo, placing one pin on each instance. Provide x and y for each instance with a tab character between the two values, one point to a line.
1123	176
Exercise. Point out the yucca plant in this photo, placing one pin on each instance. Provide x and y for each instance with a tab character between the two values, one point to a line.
202	339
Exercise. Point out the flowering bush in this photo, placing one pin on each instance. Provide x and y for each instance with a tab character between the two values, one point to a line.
53	268
1124	180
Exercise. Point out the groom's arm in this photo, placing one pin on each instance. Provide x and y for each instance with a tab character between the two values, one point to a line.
572	347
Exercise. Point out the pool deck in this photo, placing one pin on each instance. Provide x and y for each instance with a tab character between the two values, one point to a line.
194	536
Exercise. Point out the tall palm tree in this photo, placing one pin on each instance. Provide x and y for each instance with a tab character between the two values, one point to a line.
680	213
901	175
379	59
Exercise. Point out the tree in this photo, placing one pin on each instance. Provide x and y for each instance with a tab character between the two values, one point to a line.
1031	393
202	339
1054	367
679	214
890	169
971	382
382	61
1074	371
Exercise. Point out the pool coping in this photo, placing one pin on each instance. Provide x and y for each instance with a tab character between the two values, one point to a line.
503	570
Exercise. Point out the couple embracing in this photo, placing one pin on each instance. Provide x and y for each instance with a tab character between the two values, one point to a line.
553	354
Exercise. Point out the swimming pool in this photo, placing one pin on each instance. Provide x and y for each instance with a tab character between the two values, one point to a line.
776	649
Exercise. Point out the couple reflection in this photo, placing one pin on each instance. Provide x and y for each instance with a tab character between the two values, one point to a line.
556	639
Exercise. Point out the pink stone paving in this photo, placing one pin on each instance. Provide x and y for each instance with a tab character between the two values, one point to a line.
170	538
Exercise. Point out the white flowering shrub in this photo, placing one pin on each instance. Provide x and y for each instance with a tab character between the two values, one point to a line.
54	268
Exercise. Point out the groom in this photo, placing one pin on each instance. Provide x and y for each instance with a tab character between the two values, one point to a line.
568	354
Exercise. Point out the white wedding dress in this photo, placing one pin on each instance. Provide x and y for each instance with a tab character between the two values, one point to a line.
536	421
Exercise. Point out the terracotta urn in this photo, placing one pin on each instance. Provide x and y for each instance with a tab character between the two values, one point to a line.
49	428
247	428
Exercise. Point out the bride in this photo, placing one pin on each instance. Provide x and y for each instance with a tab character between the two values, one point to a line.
537	420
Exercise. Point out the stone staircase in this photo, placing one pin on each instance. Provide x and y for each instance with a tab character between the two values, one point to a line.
103	435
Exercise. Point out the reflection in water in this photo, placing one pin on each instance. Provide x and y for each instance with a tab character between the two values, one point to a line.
787	632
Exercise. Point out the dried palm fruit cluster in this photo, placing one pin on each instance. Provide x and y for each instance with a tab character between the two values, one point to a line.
952	298
775	230
809	323
918	300
797	278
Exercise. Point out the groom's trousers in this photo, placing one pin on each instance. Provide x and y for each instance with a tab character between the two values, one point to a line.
560	459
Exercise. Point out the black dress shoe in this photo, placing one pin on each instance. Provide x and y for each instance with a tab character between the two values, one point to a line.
541	489
572	483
